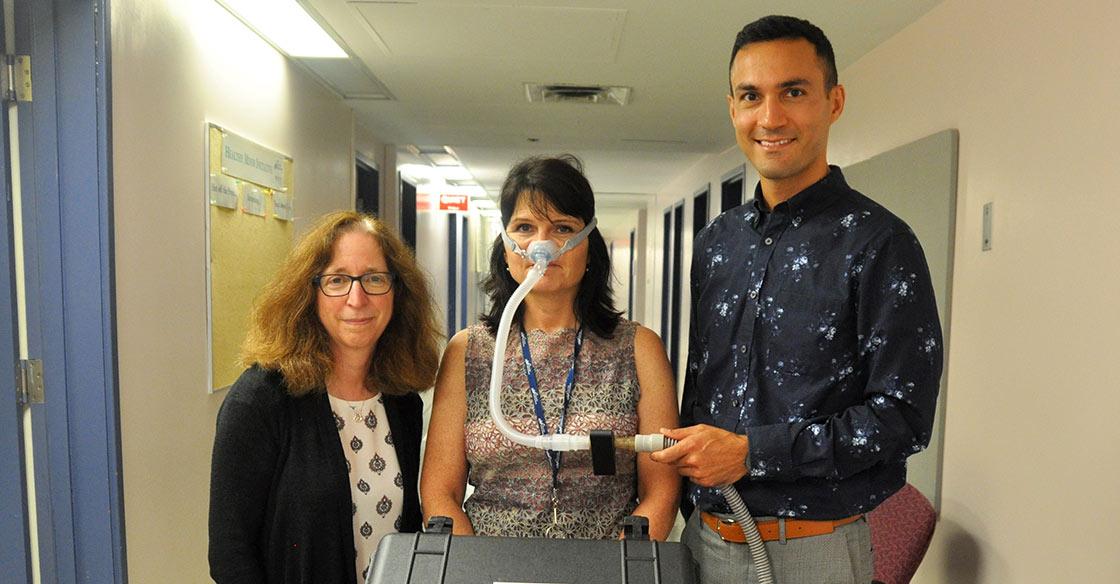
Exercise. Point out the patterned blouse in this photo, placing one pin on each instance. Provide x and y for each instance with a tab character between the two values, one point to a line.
513	483
376	483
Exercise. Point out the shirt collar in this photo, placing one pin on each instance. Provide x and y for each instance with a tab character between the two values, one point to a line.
809	201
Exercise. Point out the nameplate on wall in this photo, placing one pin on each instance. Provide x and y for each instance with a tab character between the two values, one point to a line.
249	161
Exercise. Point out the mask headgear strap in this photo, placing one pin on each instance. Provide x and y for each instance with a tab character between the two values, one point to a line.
571	243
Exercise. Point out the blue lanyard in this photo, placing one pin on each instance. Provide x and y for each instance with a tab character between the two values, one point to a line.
538	407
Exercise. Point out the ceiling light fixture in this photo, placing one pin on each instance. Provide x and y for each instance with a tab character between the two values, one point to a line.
287	26
454	173
419	173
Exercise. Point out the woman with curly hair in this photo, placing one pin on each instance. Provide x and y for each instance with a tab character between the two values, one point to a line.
317	448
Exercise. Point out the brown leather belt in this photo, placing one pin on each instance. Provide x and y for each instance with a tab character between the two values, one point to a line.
771	530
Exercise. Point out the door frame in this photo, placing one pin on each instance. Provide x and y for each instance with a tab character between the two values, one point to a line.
67	217
15	554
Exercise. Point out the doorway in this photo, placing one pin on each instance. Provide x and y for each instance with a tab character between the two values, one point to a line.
408	212
672	255
62	514
368	188
731	189
699	211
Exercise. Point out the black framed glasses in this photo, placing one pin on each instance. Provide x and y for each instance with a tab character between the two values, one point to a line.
373	283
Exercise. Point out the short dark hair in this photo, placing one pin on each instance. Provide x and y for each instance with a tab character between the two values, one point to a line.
775	27
556	182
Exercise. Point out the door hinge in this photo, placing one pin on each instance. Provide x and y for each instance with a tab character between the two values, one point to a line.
29	382
15	80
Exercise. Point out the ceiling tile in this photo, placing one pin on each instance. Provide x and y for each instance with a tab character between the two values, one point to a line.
530	33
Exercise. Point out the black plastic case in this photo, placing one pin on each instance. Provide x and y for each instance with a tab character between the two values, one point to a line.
437	557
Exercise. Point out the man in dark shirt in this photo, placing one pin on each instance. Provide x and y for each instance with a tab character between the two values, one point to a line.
815	350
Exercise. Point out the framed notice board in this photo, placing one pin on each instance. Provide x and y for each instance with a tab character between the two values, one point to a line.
249	205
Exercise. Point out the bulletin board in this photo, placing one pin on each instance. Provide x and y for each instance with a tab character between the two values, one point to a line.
249	205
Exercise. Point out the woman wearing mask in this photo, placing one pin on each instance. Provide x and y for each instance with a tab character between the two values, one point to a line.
590	368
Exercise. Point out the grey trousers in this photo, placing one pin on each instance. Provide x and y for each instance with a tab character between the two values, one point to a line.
841	557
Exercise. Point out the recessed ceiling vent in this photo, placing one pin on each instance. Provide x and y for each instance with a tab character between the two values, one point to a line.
569	93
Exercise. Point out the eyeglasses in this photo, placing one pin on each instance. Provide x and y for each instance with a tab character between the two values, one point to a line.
373	283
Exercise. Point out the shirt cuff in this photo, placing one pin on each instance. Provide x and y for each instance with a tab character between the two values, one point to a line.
770	453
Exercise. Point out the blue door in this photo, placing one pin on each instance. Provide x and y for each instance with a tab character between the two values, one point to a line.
61	514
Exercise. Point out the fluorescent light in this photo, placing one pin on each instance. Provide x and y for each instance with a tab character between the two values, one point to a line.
287	26
418	172
454	173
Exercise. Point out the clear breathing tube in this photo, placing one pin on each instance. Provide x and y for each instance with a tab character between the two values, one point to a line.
541	253
543	441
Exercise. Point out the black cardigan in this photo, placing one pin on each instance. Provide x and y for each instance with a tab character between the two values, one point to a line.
280	509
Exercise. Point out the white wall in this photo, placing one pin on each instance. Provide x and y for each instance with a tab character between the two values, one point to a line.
615	224
175	66
709	172
1030	436
369	148
620	254
432	238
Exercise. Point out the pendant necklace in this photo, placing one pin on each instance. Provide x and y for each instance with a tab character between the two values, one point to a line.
358	411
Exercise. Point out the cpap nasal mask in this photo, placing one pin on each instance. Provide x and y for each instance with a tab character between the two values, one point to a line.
545	249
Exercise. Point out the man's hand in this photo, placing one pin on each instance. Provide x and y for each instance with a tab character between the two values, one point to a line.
710	456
